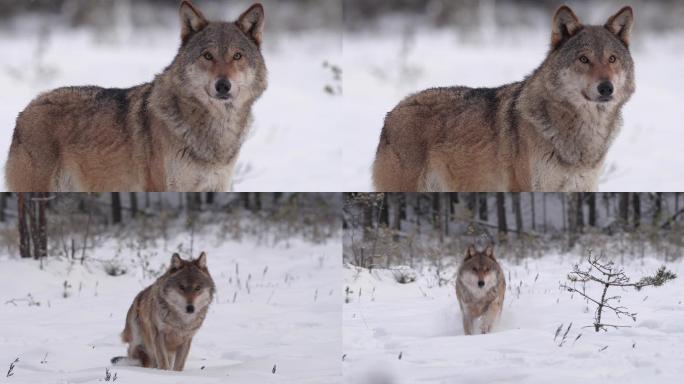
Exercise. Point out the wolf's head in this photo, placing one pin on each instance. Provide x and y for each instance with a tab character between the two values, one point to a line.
188	287
590	64
221	62
479	269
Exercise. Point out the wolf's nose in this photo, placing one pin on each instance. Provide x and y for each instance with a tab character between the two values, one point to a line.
480	283
190	308
222	87
605	88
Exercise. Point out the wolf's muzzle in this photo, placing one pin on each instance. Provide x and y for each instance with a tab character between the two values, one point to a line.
190	308
605	89
222	87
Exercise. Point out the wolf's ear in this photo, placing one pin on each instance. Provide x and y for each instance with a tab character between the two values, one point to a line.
470	252
565	25
489	251
621	24
176	261
202	260
192	20
251	22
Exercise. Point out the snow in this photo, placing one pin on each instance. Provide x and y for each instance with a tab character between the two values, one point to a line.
383	66
290	317
421	322
295	140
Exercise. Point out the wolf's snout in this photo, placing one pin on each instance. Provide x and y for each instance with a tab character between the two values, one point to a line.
190	308
222	87
480	283
605	89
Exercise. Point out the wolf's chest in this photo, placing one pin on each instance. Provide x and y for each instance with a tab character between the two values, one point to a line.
553	176
188	175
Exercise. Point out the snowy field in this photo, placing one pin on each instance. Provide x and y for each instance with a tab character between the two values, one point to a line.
412	333
381	68
276	306
295	140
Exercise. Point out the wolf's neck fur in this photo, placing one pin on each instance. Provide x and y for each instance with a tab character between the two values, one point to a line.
208	132
580	132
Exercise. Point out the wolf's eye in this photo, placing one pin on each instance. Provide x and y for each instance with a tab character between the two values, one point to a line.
208	56
237	56
197	288
584	59
612	59
182	287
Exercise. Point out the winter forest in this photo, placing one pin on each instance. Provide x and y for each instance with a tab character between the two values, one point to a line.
393	229
72	264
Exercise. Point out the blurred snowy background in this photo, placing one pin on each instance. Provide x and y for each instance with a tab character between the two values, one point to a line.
67	281
402	322
393	48
297	132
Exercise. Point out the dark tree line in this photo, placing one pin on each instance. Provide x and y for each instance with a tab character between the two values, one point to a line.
34	211
579	211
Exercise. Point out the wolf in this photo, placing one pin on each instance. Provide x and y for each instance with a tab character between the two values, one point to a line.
181	132
480	289
165	316
549	132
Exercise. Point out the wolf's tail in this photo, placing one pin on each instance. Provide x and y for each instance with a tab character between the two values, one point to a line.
125	361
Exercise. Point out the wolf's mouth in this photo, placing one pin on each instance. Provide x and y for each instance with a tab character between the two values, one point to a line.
600	99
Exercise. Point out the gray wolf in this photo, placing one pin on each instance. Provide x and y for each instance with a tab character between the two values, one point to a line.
480	289
549	132
165	316
181	132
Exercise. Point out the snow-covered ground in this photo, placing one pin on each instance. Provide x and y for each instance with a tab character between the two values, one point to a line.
412	333
295	144
289	317
382	67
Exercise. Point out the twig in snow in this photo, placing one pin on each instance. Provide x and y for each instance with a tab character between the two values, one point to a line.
10	372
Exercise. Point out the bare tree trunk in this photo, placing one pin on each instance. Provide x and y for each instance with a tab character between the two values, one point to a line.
31	209
134	204
623	201
534	213
210	198
579	211
636	207
501	213
565	221
517	211
116	208
482	204
544	209
657	207
3	206
591	202
384	211
24	235
437	218
42	225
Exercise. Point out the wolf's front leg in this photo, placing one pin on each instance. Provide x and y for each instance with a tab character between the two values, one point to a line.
491	315
467	323
162	355
182	355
